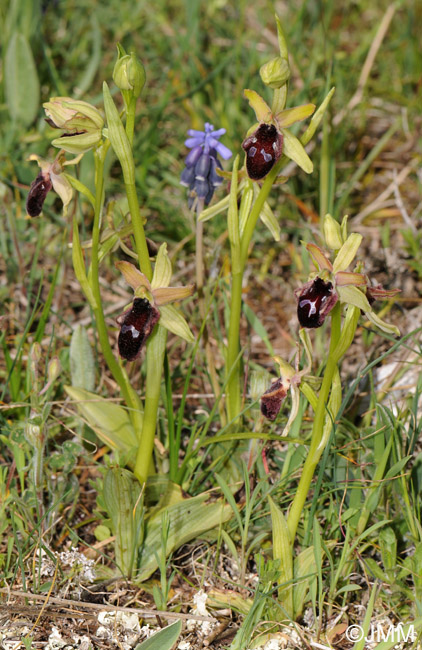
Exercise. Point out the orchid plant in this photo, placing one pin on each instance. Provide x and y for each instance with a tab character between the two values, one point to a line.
150	316
269	145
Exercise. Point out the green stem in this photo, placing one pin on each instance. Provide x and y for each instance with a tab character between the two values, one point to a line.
238	263
200	281
120	376
233	390
138	230
130	119
316	448
156	346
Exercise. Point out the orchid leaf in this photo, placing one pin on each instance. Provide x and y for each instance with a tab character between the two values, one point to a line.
110	421
187	520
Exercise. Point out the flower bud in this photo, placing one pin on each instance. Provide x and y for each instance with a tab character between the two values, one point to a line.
332	233
54	370
275	73
129	74
81	122
33	432
35	352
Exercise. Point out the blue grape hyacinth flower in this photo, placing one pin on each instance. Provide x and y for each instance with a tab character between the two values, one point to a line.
200	175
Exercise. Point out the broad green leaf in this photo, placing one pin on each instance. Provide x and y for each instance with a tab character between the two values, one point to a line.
173	320
293	149
282	551
305	570
22	88
121	497
110	421
162	640
82	366
188	520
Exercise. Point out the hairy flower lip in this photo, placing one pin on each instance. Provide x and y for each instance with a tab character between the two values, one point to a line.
263	149
273	398
37	194
315	300
136	325
50	177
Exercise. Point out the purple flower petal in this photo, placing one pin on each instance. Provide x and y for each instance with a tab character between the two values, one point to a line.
217	134
193	142
202	167
188	176
196	134
193	156
223	150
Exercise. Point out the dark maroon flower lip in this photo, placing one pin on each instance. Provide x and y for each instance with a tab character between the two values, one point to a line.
37	194
315	301
272	399
136	325
263	148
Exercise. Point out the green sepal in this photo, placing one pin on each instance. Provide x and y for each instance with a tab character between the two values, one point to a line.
293	149
78	143
347	252
162	270
172	319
